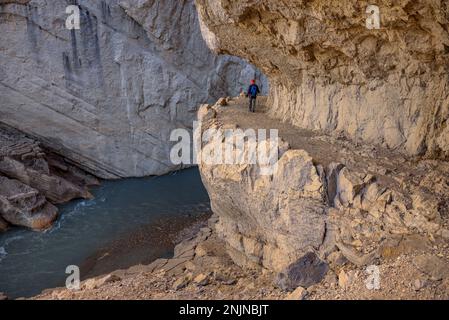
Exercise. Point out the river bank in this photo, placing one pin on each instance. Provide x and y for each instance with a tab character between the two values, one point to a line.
201	269
128	222
220	262
144	245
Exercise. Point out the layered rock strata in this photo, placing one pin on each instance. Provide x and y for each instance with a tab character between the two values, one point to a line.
330	72
108	95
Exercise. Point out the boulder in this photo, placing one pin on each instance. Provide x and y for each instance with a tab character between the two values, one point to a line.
307	271
331	279
266	220
157	265
25	159
53	187
33	179
432	266
224	278
336	259
22	205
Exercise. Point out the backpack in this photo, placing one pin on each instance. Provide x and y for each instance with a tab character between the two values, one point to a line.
253	90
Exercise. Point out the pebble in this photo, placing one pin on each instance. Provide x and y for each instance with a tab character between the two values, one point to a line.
345	279
299	294
201	279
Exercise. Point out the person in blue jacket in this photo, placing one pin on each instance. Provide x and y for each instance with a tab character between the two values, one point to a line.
252	93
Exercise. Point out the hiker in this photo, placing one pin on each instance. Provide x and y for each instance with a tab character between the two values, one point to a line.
252	93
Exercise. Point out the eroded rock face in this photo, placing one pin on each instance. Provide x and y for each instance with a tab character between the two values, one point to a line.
329	72
359	205
307	271
108	95
33	180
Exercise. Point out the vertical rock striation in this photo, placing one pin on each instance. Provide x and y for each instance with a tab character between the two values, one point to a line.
108	95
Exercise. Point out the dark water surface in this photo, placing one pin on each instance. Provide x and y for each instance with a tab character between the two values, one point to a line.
129	222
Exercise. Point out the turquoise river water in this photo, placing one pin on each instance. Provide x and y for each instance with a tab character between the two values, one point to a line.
129	222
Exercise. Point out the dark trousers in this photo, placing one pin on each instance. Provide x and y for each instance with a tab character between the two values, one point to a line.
252	104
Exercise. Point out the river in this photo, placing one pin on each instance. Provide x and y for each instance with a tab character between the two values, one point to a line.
128	222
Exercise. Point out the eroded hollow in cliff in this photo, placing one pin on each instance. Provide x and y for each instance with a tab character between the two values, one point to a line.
330	72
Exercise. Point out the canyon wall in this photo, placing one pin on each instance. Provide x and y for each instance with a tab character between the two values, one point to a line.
327	201
108	95
329	72
363	175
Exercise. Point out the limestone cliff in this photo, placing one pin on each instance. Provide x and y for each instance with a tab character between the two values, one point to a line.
108	95
386	86
327	200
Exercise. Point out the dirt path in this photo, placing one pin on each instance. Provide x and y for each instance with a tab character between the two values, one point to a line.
390	168
322	148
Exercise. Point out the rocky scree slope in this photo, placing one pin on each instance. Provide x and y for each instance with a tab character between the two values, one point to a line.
108	95
329	72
